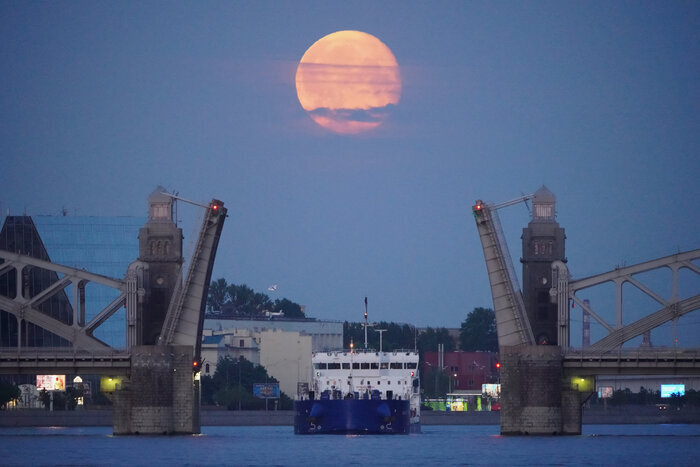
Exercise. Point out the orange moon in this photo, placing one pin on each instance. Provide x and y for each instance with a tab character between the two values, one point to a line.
348	82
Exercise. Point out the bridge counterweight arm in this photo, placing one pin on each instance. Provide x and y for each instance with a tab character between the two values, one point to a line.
512	323
185	316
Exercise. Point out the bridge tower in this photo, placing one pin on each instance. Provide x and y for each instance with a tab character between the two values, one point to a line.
543	243
160	251
534	400
162	395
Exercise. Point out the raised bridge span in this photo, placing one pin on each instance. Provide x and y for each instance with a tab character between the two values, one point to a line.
543	386
163	341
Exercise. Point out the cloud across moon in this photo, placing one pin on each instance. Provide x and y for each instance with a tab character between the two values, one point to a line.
348	82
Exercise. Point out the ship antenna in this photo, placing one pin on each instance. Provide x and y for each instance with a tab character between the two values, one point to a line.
365	323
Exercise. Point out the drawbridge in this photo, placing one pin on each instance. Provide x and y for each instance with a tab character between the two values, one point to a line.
511	317
543	386
85	353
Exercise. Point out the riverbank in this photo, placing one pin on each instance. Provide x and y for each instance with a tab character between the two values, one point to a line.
216	417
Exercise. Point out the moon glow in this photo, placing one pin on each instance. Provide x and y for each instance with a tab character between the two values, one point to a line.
348	82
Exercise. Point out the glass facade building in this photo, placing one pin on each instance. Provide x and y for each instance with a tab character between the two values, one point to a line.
101	245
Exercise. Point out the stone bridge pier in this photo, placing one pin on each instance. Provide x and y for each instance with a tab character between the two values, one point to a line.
536	397
162	394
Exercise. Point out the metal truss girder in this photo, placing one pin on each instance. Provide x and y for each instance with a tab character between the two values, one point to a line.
590	311
639	327
26	309
646	290
74	334
6	266
74	273
680	259
671	308
108	311
49	291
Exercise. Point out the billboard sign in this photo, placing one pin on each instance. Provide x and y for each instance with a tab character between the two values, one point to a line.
493	390
668	390
266	390
605	392
302	388
51	382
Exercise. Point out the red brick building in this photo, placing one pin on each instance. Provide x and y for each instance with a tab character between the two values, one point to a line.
466	370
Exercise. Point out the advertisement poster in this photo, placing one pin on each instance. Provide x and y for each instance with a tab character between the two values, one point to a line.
669	390
51	382
493	390
266	390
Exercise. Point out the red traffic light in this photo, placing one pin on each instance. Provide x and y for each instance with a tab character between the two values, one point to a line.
498	364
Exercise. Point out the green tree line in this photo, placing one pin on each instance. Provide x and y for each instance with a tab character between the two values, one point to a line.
242	301
477	333
621	397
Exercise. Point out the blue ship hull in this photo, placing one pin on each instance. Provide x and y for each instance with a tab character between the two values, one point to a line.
353	416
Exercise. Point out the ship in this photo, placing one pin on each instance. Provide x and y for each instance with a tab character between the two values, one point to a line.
361	391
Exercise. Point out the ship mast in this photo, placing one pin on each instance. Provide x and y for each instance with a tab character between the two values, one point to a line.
365	323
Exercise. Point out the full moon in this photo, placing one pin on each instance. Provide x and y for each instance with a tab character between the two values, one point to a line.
348	82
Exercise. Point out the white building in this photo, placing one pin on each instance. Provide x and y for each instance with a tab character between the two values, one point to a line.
325	335
283	347
286	355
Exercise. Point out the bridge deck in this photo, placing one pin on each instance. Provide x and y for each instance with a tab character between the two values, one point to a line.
633	362
63	361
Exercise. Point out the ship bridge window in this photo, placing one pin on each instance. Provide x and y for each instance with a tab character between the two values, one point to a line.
320	366
396	365
411	365
355	365
384	365
364	366
346	365
334	366
374	365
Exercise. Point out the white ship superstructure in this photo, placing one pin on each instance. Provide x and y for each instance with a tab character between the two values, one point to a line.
359	374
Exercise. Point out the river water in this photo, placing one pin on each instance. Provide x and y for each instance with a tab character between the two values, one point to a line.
629	445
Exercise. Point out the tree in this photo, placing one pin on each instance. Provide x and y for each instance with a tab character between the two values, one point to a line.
231	386
73	394
478	331
241	300
218	295
290	309
429	339
8	393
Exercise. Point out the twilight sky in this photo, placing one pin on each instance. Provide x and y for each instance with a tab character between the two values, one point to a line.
100	102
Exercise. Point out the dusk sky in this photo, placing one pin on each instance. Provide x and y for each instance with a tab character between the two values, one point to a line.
100	102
